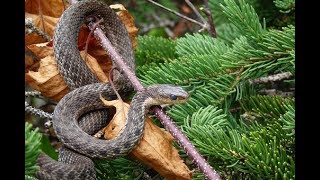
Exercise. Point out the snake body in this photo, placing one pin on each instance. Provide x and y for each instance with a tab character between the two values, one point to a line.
81	113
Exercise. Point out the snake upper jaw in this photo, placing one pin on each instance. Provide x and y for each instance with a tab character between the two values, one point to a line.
167	94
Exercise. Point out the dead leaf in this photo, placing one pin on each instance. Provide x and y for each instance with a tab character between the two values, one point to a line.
47	79
47	27
155	149
94	67
31	61
119	119
102	58
52	8
41	50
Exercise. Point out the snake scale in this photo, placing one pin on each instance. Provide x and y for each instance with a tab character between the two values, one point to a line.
80	113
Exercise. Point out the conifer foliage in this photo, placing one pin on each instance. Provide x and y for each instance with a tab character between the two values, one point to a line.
243	133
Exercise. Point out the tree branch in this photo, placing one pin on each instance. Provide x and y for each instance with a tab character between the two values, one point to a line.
271	78
208	26
212	30
32	28
203	26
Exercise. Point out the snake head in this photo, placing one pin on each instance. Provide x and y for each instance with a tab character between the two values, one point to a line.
167	94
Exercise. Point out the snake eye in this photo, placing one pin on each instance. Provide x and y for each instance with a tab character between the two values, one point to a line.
173	97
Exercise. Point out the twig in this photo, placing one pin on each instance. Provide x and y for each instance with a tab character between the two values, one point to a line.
203	26
146	176
38	112
41	16
272	78
163	117
196	11
32	28
206	10
208	26
32	93
276	92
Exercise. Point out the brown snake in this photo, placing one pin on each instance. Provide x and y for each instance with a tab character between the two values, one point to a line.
81	113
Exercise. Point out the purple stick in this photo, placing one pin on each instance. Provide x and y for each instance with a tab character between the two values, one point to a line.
183	140
191	151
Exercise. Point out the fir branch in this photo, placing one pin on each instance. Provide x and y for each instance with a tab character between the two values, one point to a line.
32	150
268	107
273	52
272	78
217	12
228	32
153	49
285	6
198	44
288	120
120	168
243	16
274	92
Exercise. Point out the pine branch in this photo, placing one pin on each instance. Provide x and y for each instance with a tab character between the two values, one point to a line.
154	49
288	120
259	144
219	17
243	16
268	107
32	150
120	168
272	78
285	6
274	92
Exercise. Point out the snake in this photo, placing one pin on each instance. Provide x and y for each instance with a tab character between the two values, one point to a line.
80	113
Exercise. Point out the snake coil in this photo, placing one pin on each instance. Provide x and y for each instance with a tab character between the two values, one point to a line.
80	113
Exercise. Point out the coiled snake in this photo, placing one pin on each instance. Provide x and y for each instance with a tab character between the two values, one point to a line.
81	113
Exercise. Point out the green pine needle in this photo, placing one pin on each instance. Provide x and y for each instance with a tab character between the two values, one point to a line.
32	150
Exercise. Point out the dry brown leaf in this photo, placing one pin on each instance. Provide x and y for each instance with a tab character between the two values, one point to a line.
31	61
94	67
119	119
47	79
155	149
49	25
52	8
41	50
